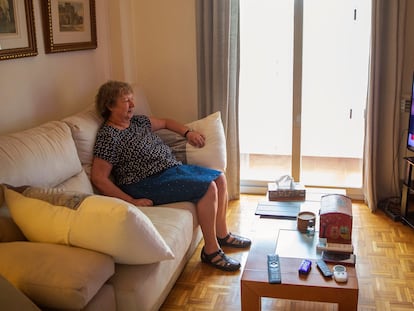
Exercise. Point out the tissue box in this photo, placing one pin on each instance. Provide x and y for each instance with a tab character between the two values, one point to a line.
336	218
296	193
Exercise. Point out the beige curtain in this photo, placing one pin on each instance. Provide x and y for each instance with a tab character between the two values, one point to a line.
218	74
381	156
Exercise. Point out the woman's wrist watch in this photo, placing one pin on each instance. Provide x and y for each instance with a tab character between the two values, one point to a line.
186	132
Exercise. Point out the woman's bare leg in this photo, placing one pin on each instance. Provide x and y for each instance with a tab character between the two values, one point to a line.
221	221
207	208
223	233
212	214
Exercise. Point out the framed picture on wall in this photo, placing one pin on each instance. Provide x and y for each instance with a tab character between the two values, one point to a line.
69	25
17	29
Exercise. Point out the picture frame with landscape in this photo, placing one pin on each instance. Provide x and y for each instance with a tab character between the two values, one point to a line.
69	25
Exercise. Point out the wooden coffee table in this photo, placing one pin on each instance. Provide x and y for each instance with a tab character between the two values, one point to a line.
313	287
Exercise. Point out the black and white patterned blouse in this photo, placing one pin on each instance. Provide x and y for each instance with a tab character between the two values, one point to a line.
135	153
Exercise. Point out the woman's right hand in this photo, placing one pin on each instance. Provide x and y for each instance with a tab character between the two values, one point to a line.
142	202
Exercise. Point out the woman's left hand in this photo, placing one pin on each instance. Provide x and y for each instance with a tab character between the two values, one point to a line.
196	139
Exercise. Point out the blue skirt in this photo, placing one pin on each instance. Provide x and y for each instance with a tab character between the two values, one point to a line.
176	184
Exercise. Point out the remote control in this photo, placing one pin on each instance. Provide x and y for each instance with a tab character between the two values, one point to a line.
324	268
273	269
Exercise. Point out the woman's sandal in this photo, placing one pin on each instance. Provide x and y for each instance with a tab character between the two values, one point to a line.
220	261
234	240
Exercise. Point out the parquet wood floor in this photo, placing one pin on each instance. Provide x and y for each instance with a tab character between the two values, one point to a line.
385	267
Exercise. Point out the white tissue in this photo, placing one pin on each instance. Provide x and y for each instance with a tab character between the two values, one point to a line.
285	182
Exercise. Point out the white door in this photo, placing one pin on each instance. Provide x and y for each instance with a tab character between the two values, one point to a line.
331	50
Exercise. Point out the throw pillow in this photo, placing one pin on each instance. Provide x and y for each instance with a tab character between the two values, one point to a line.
43	156
84	126
100	223
176	142
56	196
39	220
213	154
115	227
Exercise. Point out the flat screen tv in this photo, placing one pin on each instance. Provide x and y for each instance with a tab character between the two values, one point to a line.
410	136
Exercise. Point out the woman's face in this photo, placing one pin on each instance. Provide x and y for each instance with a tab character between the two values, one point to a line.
124	107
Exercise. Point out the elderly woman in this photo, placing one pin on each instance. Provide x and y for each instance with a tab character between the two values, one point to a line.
145	172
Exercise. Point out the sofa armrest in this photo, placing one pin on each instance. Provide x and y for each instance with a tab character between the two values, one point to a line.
13	299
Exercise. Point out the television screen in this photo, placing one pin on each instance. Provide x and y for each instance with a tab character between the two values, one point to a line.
410	136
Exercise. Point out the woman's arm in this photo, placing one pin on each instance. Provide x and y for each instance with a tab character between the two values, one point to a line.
194	138
100	172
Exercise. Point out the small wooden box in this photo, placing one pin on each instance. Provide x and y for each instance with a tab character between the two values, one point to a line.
296	193
336	218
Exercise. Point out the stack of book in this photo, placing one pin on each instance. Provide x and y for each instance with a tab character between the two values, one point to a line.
337	252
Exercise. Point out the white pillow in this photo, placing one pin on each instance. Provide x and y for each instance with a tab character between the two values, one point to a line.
114	227
213	154
104	224
43	156
84	126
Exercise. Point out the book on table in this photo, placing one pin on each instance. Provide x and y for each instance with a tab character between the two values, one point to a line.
339	258
288	210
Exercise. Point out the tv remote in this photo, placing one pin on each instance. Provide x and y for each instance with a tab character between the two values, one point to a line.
273	269
323	267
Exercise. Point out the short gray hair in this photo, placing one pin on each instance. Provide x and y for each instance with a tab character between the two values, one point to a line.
108	94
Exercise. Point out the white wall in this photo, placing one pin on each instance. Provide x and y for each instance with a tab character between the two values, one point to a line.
50	86
151	43
165	55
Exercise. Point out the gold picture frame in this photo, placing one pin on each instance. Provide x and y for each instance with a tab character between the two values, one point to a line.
69	25
17	29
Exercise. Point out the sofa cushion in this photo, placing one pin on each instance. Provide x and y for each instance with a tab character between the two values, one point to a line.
100	223
212	155
176	142
175	225
43	156
84	126
79	182
55	276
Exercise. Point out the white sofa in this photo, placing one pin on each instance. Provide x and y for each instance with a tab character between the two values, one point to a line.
61	267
